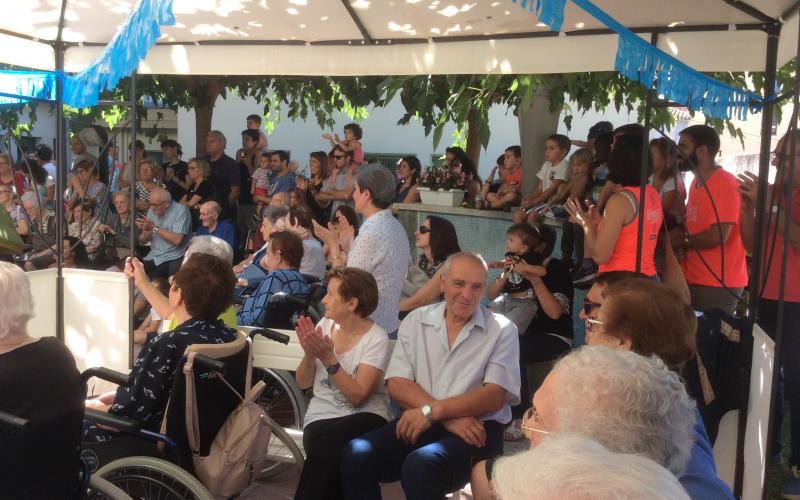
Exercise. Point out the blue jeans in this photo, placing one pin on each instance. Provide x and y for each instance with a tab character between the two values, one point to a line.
439	463
788	373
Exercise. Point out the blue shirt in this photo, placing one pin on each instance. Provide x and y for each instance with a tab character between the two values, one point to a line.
224	231
283	280
175	220
700	478
283	184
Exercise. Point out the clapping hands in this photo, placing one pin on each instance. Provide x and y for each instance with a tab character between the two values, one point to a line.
314	343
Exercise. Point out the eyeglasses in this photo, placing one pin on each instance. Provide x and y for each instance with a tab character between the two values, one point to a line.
589	306
339	157
157	203
424	229
591	323
529	417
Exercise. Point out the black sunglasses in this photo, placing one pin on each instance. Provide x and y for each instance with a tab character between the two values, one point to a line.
424	230
589	306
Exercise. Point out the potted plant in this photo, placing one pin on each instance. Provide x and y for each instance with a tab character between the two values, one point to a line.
442	185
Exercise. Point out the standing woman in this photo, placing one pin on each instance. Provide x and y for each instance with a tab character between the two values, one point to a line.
139	154
409	170
200	189
318	169
344	359
175	169
148	181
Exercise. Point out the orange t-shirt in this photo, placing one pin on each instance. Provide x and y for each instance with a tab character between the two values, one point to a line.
623	258
700	217
792	284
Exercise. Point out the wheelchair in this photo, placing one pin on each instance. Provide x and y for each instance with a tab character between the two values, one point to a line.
148	464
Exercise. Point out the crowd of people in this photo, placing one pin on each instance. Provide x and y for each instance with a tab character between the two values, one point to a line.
415	377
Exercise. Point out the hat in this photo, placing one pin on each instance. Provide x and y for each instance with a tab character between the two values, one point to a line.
600	128
43	152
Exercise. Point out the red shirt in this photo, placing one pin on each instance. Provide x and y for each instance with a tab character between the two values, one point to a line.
700	216
623	257
791	291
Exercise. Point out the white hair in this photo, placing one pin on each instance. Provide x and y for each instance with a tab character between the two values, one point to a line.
35	198
210	245
474	257
16	301
627	402
574	467
213	206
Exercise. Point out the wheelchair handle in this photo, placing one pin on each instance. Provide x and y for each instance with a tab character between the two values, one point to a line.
13	423
208	364
286	297
108	374
272	335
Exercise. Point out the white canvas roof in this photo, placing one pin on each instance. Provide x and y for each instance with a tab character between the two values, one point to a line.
375	37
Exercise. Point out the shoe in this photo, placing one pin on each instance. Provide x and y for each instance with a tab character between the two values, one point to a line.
791	487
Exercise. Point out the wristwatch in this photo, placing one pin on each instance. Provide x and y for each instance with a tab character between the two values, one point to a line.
333	368
155	230
428	412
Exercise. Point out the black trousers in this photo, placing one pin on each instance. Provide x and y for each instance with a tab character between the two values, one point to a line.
323	441
163	270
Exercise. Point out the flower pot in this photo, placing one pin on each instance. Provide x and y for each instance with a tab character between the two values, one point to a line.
449	198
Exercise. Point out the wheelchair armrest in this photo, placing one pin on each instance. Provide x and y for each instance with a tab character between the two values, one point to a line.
104	418
271	334
208	364
12	423
108	374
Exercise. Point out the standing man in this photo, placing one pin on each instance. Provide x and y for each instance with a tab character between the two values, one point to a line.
455	372
166	228
714	265
338	187
224	173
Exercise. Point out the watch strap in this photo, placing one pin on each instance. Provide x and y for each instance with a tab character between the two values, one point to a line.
333	368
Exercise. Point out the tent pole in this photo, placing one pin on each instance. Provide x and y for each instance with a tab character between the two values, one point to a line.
785	195
773	37
131	171
648	110
61	186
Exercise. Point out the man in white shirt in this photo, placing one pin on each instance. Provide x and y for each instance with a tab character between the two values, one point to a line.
455	373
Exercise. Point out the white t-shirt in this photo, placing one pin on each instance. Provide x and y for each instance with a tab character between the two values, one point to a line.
313	262
328	400
549	173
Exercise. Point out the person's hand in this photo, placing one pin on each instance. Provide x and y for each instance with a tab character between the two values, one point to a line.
97	404
577	215
347	233
105	229
145	224
497	264
301	183
524	268
748	188
411	424
324	234
134	270
315	343
327	137
336	138
304	328
469	429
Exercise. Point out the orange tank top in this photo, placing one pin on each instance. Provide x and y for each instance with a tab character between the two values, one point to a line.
623	258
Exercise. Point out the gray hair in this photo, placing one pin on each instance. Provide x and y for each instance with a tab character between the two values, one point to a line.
163	193
35	198
122	192
572	466
380	182
474	257
627	402
210	245
219	135
214	206
273	212
16	301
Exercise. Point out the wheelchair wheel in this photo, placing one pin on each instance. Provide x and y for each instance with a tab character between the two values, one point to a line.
285	404
283	449
148	478
100	489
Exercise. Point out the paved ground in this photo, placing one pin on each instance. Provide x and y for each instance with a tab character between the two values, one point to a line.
282	486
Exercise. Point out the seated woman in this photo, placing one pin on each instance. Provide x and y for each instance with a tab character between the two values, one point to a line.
437	239
344	359
408	170
85	227
200	291
118	224
51	399
282	261
75	256
343	230
42	236
14	209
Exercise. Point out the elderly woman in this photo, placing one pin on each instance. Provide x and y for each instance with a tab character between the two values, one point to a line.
118	224
51	399
84	185
85	227
42	232
344	359
282	261
14	209
626	402
148	181
437	239
199	190
199	293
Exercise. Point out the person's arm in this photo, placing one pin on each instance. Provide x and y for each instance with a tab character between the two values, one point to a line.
253	187
426	294
134	269
601	241
668	201
172	237
407	393
480	401
548	302
527	202
349	146
304	375
233	194
497	286
22	227
710	238
547	193
412	196
191	203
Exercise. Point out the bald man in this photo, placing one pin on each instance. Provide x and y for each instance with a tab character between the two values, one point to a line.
211	225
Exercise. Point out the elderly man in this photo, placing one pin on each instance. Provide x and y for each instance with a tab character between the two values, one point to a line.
225	175
381	247
455	372
166	228
210	224
625	401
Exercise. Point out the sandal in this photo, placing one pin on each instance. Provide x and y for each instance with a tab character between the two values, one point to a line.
513	432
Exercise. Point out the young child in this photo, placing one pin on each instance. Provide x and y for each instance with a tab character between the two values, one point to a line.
511	294
351	142
580	164
254	123
262	180
552	174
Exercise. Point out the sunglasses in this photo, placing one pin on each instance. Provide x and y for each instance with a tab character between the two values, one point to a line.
589	306
424	229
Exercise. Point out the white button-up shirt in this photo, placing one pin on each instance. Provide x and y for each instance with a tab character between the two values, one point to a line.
381	248
485	351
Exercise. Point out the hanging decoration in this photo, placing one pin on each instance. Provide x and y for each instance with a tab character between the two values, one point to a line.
641	61
122	55
20	86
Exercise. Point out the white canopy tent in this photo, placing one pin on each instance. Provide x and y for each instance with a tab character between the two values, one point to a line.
364	37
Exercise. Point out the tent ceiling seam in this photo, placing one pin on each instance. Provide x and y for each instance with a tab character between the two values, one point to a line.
357	21
749	10
791	10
